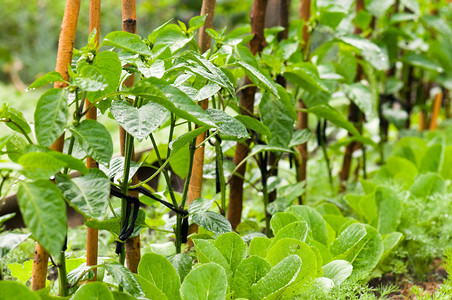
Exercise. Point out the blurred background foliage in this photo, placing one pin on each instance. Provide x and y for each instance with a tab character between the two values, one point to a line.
30	29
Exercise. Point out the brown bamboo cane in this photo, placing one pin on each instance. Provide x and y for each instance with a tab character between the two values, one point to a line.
64	57
354	116
195	186
246	108
132	246
302	120
92	236
435	111
283	21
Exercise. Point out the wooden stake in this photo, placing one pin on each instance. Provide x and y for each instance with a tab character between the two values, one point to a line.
246	108
195	186
64	58
302	120
435	111
132	246
92	234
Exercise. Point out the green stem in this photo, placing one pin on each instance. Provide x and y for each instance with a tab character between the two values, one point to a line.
327	161
364	161
219	157
62	276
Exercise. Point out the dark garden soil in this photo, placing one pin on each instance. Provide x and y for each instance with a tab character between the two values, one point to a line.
405	282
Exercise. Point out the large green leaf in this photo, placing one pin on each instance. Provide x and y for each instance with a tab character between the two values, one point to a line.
232	247
205	282
91	79
116	169
159	271
149	289
248	272
227	124
277	279
88	194
94	139
139	122
40	165
11	117
44	213
93	291
174	100
315	221
362	96
212	221
182	262
428	184
51	116
259	246
125	278
297	230
12	290
127	41
389	207
370	51
276	117
337	271
207	252
258	78
281	219
334	117
305	75
254	124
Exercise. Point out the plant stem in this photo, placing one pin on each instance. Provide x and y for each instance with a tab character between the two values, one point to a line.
62	276
219	158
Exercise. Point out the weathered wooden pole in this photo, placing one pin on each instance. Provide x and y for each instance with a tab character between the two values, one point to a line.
246	108
64	57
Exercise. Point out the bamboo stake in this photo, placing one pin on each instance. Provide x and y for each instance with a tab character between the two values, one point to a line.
195	186
246	108
64	57
132	246
355	117
302	120
435	112
92	236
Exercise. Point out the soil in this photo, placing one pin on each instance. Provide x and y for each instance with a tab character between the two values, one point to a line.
405	283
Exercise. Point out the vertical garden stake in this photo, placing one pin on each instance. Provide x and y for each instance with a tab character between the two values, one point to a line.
132	246
92	233
64	57
246	108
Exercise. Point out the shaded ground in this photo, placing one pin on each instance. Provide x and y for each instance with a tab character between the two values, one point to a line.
434	279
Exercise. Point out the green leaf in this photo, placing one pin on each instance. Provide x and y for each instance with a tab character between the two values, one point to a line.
139	122
205	282
70	161
338	271
348	238
174	100
362	96
248	272
149	289
427	185
296	230
12	290
94	139
10	113
370	51
332	15
315	221
82	272
127	41
280	220
259	246
116	169
22	272
275	115
44	213
227	124
431	162
421	61
182	262
125	278
112	224
51	116
159	271
9	241
88	194
184	139
212	221
286	247
259	78
196	22
200	205
90	79
389	208
278	278
123	296
207	252
253	124
305	76
379	7
50	77
93	291
232	247
300	137
40	165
